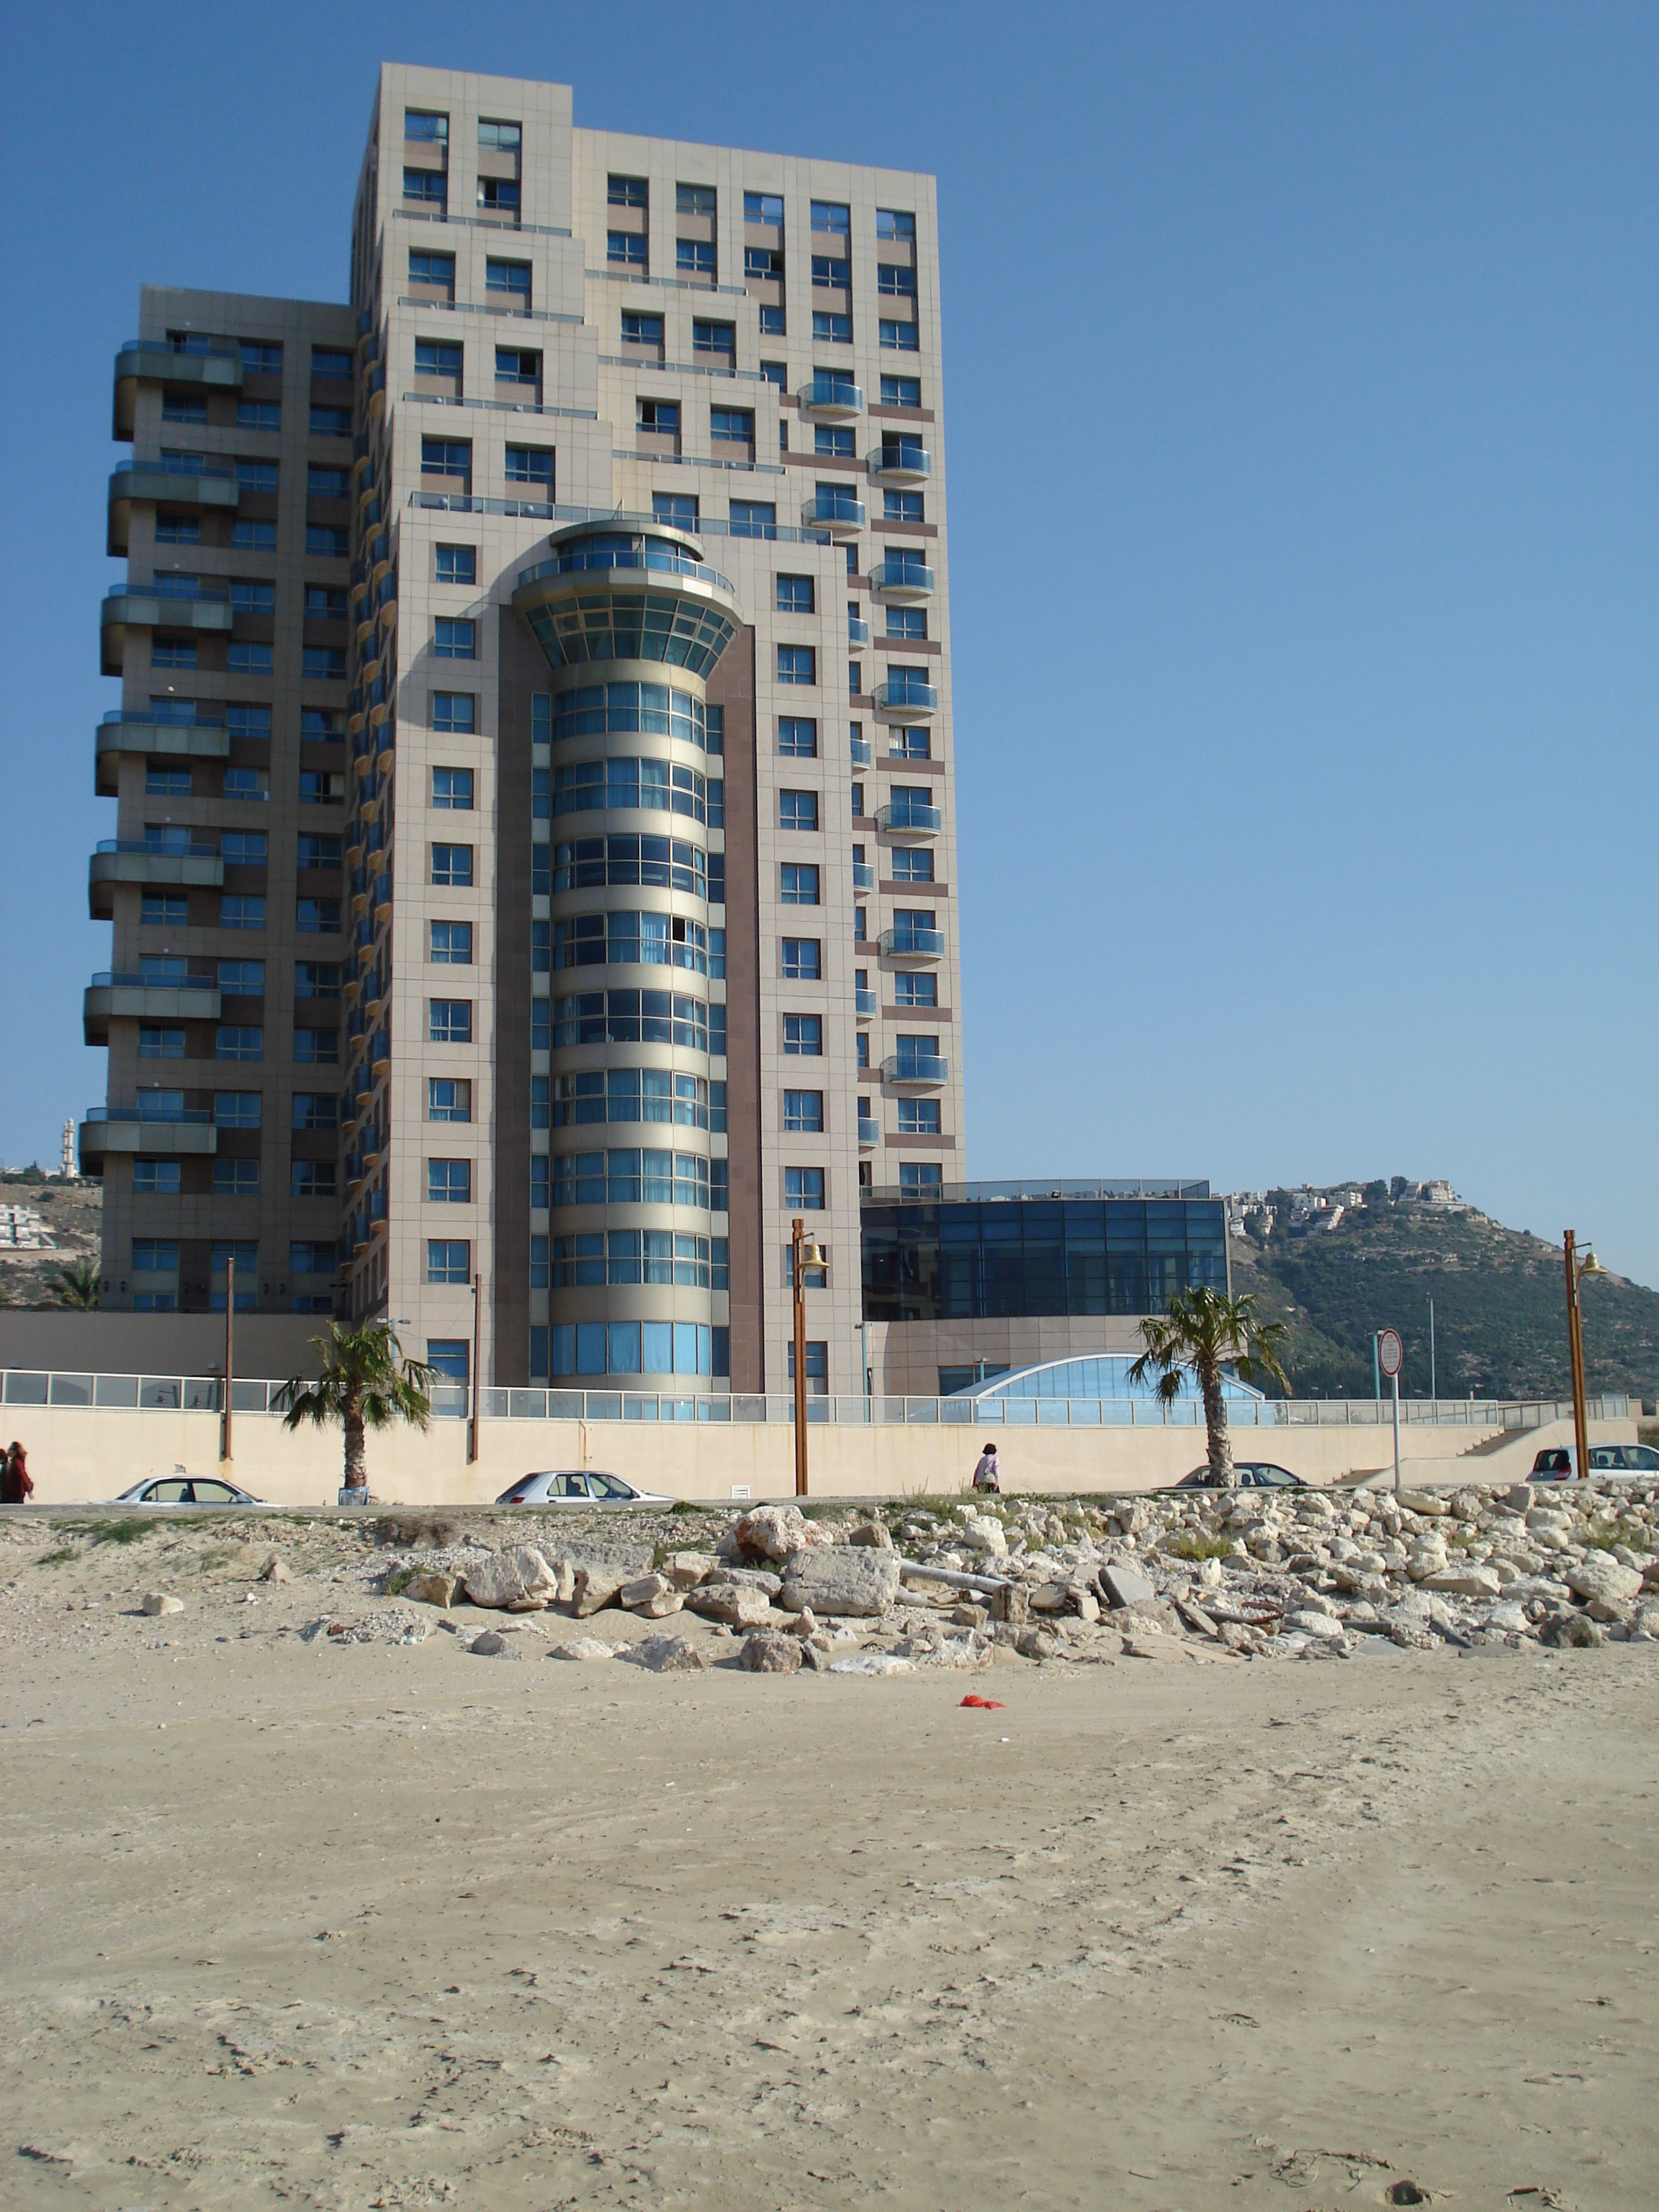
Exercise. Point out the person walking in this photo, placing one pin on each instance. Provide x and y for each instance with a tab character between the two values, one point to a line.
985	1474
17	1487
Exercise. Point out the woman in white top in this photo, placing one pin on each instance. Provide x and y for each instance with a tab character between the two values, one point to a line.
985	1474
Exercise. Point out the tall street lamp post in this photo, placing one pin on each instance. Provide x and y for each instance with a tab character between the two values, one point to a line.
804	1252
1577	1270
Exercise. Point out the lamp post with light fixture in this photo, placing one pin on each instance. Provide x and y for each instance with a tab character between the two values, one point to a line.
804	1252
1577	1270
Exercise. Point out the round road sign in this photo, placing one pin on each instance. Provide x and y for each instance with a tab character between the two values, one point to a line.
1390	1352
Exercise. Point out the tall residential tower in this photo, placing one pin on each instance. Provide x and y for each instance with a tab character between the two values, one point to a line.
535	877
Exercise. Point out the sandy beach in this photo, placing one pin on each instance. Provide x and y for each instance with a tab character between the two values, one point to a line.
382	1924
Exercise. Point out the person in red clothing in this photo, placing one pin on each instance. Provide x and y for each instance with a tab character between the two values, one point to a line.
17	1487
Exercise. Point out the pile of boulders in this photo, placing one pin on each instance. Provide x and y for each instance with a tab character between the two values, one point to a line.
1183	1575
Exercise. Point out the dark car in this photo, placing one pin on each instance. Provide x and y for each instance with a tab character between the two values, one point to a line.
1251	1474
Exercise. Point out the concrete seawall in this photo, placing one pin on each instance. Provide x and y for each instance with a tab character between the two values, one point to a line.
78	1454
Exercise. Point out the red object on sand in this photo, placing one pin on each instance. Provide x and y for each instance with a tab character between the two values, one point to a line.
984	1705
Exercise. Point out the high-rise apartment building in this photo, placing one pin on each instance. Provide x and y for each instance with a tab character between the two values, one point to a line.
534	878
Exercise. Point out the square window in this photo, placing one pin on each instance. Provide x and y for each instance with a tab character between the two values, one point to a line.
331	421
799	885
659	418
803	959
899	337
919	1117
720	339
751	518
833	444
901	392
451	865
797	810
452	788
322	541
454	639
452	713
831	272
818	1368
458	564
897	283
243	911
499	195
832	330
678	509
763	207
695	257
771	322
625	249
236	1178
449	1182
915	990
511	277
310	1179
833	215
317	916
798	737
531	464
162	1044
803	1112
803	1190
891	222
797	663
448	1260
449	1098
316	1048
155	1178
628	191
448	457
795	595
803	1036
437	357
694	199
451	943
450	1021
912	864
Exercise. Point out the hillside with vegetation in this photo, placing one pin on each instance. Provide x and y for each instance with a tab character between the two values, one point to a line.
1499	1302
71	1214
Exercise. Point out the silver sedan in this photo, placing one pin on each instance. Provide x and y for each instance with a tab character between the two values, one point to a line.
187	1490
571	1488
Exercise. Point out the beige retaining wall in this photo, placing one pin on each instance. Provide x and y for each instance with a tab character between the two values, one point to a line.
77	1454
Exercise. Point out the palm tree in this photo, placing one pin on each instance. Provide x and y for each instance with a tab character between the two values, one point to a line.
362	1384
78	1285
1201	1332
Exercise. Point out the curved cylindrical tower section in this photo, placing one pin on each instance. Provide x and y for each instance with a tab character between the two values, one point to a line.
633	623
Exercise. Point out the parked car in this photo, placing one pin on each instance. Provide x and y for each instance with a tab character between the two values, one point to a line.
568	1487
189	1490
1555	1462
1251	1473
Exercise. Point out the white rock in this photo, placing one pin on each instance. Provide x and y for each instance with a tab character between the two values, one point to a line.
1464	1581
1306	1623
581	1647
778	1532
1599	1575
665	1655
982	1532
157	1602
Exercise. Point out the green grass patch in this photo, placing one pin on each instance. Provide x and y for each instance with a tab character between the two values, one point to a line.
121	1532
399	1580
60	1558
1187	1546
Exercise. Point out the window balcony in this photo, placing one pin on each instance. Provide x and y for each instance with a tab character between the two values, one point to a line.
913	944
173	483
863	876
901	462
628	593
869	1134
911	821
143	998
903	700
144	736
861	756
916	1072
379	1051
858	633
901	579
838	513
141	860
835	397
128	1130
382	898
140	606
866	1005
153	360
376	1209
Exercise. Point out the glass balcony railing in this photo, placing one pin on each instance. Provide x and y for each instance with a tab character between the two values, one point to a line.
832	395
913	944
920	821
897	574
861	756
866	1004
915	1068
835	512
158	848
158	1109
900	694
901	459
869	1132
863	876
858	633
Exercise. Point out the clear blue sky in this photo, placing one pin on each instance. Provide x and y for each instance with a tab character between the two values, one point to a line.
1301	376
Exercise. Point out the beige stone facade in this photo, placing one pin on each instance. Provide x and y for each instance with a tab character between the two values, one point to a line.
557	335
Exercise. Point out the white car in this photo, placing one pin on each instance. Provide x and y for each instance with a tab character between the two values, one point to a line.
189	1490
569	1488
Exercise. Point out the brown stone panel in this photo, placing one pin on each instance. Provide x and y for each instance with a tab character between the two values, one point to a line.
246	877
325	755
523	671
732	687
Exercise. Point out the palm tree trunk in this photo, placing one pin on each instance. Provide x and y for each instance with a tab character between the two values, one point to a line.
356	1473
1215	1421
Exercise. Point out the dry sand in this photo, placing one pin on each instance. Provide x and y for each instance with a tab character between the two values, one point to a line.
382	1925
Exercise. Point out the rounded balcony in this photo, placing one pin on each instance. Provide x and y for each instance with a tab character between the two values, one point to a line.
900	461
148	606
901	579
633	594
130	733
154	361
833	399
179	481
906	699
152	995
913	945
151	863
838	513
